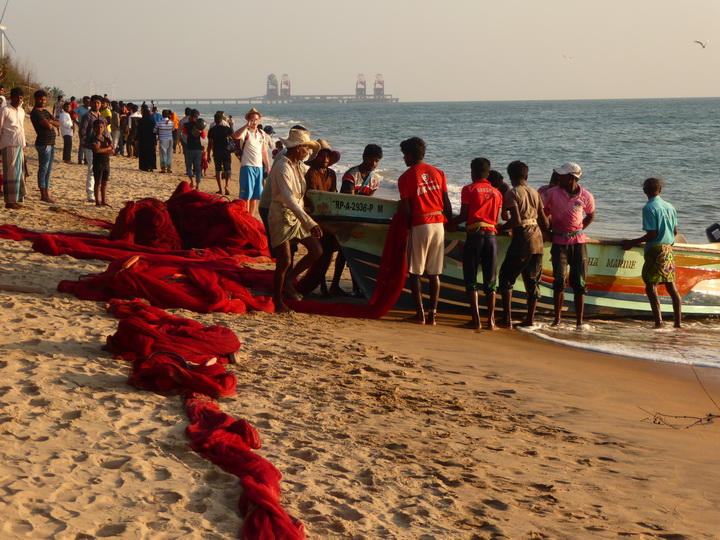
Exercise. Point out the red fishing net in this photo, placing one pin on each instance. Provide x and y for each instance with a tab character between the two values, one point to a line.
173	355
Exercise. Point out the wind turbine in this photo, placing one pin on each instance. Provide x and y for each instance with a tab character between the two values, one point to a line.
74	82
3	35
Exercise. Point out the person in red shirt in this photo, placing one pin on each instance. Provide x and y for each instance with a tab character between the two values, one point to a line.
480	210
424	201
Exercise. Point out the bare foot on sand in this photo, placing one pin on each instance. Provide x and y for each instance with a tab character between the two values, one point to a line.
415	319
290	292
281	307
472	325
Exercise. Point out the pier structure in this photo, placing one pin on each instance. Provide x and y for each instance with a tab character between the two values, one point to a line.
282	93
360	95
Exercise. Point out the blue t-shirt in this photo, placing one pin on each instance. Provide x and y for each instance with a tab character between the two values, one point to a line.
659	216
80	110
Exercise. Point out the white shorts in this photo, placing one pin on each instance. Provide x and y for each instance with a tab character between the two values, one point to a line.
426	249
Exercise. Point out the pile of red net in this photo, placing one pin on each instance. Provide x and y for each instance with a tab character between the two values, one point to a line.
173	355
192	252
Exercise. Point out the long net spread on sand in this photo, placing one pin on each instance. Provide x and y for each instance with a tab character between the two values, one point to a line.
194	252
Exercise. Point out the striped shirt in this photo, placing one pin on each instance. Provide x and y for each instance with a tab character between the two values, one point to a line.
164	129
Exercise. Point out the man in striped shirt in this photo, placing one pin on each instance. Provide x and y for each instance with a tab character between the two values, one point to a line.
164	129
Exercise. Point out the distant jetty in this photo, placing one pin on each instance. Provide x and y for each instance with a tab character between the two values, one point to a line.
281	93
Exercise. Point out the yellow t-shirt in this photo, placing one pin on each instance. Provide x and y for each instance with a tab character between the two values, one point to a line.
107	114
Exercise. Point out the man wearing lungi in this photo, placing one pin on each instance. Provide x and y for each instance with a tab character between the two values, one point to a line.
12	148
288	220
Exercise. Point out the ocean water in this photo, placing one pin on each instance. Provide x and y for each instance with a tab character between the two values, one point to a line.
618	143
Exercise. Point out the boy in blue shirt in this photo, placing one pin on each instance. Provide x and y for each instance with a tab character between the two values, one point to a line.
660	225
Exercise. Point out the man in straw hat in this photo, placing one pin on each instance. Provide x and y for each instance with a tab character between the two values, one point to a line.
253	157
322	178
289	222
572	209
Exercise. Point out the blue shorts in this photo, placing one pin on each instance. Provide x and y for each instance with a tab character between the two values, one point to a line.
251	182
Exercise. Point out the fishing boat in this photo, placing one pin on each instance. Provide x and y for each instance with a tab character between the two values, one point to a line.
614	281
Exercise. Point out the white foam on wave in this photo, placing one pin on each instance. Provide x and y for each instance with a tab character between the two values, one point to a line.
682	346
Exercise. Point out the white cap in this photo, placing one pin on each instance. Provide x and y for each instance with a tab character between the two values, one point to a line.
570	168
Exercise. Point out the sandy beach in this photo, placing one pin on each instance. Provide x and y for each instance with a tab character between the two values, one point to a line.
381	429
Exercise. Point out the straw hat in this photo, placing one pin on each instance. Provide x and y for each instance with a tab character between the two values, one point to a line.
299	137
252	111
334	154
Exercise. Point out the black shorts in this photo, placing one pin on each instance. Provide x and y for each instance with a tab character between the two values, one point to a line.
101	171
574	255
223	162
529	266
480	250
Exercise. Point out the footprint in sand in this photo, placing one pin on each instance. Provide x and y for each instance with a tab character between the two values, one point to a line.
162	474
31	389
111	530
402	519
197	507
346	512
113	464
496	504
170	497
306	454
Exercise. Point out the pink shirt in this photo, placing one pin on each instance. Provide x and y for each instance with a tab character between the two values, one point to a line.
568	212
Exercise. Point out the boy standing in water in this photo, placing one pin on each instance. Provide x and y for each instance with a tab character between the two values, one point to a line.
523	209
480	210
660	225
573	209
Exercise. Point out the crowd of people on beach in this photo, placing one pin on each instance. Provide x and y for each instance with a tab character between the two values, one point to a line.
275	176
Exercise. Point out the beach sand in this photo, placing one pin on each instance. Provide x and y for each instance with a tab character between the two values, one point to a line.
381	429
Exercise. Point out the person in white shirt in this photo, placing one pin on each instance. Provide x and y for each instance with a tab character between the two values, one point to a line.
253	157
67	128
12	148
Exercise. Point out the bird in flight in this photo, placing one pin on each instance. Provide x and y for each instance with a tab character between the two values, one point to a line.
703	45
567	57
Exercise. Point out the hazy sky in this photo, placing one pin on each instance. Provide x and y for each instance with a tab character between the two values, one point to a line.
449	50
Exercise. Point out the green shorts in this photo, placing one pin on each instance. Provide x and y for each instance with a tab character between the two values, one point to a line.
659	264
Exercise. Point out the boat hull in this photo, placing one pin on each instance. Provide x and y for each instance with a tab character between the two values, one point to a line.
615	286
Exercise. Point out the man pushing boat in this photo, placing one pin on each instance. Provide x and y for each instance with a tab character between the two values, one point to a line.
660	225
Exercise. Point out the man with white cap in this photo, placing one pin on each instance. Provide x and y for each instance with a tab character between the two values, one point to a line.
572	208
253	156
288	220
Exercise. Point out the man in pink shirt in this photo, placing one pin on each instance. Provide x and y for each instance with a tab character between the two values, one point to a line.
572	209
